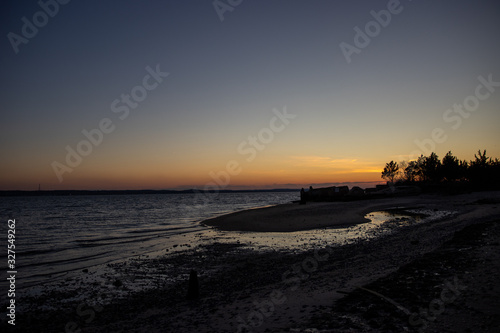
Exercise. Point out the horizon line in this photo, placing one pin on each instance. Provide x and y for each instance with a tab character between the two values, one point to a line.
288	186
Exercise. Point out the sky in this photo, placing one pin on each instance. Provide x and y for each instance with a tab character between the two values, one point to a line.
241	94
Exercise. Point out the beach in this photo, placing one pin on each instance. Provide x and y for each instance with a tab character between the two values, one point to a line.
365	285
315	215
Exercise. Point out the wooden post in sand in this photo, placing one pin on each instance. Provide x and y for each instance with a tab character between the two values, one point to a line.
302	197
193	288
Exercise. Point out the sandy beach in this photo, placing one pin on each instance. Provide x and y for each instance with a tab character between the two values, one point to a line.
449	266
315	215
233	166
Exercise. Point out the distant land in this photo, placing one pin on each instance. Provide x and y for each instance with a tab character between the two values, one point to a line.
122	192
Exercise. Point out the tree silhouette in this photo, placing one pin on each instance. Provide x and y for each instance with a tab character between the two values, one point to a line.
431	168
481	161
481	168
450	167
411	171
390	171
481	173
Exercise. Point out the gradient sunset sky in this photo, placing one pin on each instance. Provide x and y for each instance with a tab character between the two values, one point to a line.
227	80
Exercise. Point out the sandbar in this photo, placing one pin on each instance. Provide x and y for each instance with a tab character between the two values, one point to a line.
314	215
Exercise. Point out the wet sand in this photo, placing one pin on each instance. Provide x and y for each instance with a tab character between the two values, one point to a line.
454	288
315	215
330	288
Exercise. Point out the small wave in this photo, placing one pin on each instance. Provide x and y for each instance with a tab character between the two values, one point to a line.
64	261
41	251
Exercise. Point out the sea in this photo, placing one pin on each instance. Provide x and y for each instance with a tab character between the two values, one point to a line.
55	235
79	246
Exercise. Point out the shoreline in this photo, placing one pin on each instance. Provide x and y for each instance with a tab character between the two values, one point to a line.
305	287
316	215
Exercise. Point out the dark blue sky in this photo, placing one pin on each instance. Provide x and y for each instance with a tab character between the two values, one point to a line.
226	77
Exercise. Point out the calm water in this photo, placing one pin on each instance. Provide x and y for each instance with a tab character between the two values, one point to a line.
55	235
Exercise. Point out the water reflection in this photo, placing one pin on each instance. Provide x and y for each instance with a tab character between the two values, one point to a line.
143	272
380	223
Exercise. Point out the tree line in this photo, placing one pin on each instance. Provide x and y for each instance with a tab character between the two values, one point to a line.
483	170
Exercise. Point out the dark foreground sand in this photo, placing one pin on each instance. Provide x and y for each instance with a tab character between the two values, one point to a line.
437	277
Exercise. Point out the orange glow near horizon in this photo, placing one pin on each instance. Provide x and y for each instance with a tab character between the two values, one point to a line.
270	169
298	170
280	98
266	171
